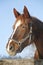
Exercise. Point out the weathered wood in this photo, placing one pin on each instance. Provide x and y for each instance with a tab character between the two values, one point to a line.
21	62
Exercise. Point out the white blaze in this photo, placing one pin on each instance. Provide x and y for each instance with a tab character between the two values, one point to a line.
16	26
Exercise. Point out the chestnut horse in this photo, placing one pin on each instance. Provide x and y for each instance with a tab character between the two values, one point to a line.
26	30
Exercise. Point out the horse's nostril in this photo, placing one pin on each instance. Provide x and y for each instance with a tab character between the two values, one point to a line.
10	47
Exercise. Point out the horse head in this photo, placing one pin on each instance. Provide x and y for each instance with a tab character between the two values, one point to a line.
22	32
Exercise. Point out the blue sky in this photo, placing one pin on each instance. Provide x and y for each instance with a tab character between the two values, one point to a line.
7	17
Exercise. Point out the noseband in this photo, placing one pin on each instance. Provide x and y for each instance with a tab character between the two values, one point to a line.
29	36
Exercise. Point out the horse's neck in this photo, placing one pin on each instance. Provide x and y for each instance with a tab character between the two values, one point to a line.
38	23
39	32
39	36
39	45
37	28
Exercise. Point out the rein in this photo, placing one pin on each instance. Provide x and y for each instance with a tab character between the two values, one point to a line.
29	36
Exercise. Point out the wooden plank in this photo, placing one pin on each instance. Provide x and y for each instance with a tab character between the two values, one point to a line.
21	62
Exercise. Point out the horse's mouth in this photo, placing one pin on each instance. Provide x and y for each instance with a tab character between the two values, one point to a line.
12	53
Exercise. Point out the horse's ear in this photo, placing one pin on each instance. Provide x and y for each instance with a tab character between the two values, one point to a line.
26	13
16	13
